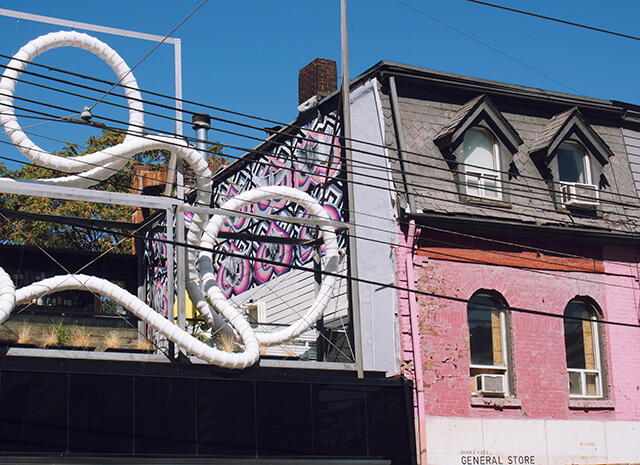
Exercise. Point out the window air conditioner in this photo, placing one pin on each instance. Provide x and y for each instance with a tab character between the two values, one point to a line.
490	384
579	195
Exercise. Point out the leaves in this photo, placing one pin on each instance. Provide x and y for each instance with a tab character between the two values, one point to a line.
54	235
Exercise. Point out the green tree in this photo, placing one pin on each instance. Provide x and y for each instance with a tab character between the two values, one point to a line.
55	235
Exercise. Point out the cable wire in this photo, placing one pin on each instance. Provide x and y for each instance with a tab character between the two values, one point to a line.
561	21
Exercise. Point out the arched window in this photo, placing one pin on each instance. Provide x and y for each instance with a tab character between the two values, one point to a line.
573	163
481	164
582	343
488	343
574	174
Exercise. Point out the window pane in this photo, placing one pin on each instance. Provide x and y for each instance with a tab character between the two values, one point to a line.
575	383
478	149
574	336
473	183
491	187
480	337
485	331
592	384
571	164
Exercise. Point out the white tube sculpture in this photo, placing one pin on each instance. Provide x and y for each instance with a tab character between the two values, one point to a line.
87	170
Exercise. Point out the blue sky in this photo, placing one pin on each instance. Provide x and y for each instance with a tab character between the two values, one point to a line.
245	56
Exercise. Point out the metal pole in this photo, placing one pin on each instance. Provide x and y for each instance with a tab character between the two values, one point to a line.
353	256
201	124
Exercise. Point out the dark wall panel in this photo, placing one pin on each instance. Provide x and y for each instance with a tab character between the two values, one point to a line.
284	418
340	423
165	416
100	414
130	414
226	418
33	412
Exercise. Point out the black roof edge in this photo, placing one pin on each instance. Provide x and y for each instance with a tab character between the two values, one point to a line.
489	226
532	94
621	111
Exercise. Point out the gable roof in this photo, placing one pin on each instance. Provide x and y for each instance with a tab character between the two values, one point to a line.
561	126
475	110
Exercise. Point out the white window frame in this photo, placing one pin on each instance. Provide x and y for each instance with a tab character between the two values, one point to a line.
583	372
476	176
570	199
491	369
597	370
586	162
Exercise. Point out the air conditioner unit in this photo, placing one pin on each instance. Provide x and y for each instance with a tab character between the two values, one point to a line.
490	384
579	195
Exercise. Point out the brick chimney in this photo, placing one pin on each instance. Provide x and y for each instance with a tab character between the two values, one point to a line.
318	78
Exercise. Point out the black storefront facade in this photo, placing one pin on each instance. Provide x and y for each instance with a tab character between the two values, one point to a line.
67	408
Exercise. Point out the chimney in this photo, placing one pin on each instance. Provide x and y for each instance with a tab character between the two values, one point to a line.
319	78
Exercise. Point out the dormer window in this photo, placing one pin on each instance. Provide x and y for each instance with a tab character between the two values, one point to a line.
478	144
574	174
482	164
573	164
571	157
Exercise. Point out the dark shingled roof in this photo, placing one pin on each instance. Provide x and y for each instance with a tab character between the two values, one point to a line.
551	130
466	109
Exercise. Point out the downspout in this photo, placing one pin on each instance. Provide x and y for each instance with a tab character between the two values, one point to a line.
397	121
415	343
411	281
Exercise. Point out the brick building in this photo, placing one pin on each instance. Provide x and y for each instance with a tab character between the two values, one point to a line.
518	224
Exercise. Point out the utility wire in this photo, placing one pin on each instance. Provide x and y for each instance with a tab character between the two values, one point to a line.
364	281
150	52
514	189
373	167
561	21
515	60
364	238
262	129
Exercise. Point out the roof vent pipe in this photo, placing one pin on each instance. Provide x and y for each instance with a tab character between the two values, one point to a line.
201	124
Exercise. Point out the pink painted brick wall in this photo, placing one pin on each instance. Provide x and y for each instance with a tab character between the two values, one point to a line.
537	342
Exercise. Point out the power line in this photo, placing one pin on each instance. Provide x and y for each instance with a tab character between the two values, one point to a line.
379	229
561	21
515	60
362	280
262	129
149	53
375	167
436	168
515	188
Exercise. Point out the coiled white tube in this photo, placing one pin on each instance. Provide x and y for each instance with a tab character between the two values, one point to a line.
106	288
87	170
209	238
113	158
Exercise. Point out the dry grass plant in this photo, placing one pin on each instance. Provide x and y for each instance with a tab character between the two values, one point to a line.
144	344
80	337
226	342
113	340
26	334
50	338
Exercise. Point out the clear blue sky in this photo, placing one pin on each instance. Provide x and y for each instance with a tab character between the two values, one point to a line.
245	56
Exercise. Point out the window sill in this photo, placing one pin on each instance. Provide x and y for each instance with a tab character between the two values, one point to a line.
498	403
591	404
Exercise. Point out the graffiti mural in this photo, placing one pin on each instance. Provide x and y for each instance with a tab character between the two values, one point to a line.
308	160
155	264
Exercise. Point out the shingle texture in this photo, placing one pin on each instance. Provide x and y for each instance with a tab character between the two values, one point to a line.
530	200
